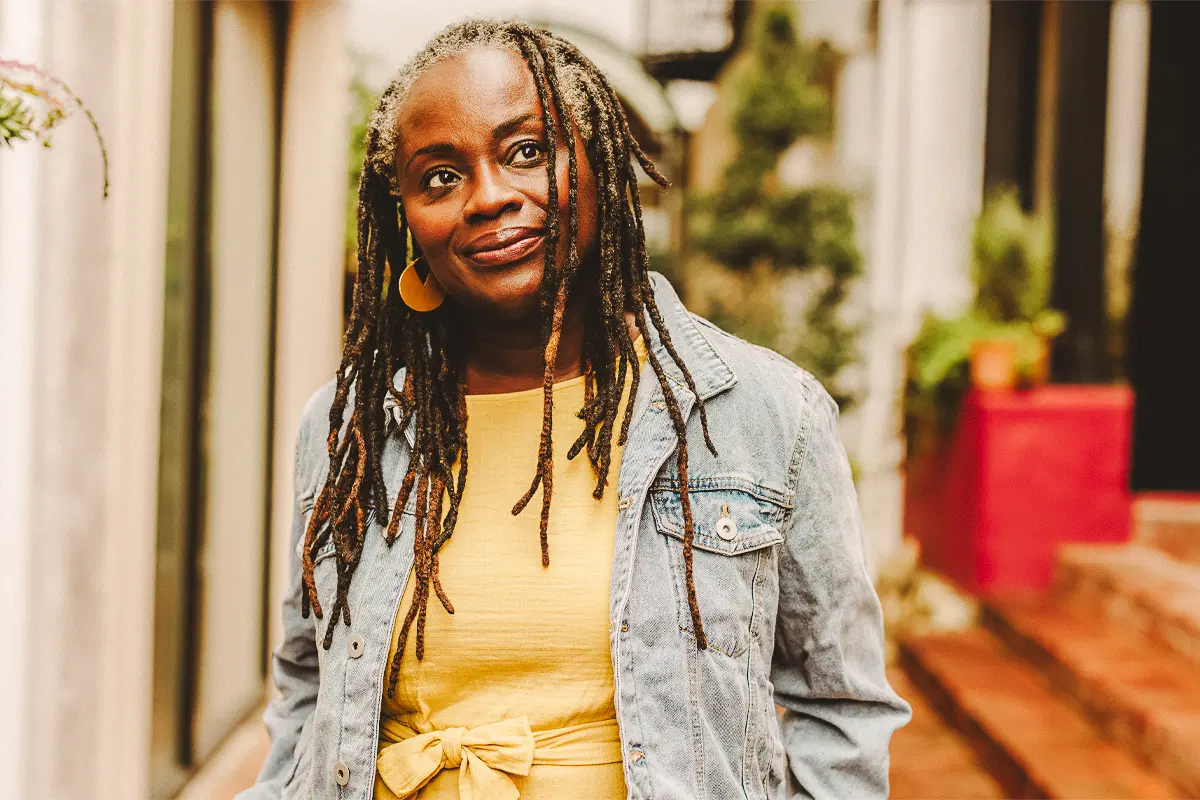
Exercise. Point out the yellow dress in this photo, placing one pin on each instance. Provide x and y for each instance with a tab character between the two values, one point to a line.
526	651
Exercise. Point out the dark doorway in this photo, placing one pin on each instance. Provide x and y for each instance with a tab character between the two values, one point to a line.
1164	318
1013	55
1081	354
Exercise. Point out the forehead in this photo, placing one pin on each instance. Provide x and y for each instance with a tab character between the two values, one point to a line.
468	92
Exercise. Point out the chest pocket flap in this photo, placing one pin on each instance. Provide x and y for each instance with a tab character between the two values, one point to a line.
728	521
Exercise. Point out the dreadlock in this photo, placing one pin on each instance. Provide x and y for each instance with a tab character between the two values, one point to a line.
383	335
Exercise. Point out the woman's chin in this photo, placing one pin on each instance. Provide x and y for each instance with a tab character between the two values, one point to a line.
509	293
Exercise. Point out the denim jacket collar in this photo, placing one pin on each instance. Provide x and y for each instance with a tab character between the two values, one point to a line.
709	370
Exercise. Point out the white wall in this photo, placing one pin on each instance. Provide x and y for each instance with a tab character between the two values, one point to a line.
21	37
80	304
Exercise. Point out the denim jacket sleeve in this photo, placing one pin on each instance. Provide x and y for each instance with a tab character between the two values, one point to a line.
294	666
839	712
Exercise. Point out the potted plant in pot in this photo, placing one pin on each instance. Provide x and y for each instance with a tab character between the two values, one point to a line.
1002	341
999	343
996	481
1011	259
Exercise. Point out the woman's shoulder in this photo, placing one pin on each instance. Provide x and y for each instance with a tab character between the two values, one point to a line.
769	415
767	379
753	381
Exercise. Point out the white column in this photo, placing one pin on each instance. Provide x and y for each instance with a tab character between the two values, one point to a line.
312	205
242	142
877	449
81	352
928	189
1128	69
946	128
21	36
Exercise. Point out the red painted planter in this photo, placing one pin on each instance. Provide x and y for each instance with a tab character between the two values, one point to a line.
1023	473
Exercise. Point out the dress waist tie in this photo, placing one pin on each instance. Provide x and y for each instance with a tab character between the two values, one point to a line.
484	755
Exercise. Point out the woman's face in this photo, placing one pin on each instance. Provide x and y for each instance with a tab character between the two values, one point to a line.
471	165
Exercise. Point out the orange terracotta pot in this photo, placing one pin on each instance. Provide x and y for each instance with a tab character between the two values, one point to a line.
994	364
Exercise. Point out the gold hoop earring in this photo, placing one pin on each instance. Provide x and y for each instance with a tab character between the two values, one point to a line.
417	294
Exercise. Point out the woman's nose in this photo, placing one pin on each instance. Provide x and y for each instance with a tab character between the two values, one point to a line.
491	194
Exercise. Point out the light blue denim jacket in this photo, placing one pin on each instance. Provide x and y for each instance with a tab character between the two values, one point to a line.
790	613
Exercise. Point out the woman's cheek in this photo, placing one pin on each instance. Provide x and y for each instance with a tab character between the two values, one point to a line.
432	228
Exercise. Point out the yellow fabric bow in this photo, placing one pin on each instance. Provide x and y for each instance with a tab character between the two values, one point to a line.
482	756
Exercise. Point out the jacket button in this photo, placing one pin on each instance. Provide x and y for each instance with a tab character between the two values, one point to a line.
341	773
354	646
726	528
625	502
636	755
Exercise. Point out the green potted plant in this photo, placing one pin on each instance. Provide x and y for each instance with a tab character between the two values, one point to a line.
770	261
1002	341
1012	254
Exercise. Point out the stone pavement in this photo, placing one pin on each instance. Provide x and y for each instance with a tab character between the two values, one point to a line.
930	761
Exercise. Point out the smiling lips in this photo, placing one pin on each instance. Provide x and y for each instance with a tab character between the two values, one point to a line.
498	248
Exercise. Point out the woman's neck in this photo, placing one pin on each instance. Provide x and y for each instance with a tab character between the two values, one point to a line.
507	356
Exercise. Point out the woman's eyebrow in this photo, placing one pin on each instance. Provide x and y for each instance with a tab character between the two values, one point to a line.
434	149
504	129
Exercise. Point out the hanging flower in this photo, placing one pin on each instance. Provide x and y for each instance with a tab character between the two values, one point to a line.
33	102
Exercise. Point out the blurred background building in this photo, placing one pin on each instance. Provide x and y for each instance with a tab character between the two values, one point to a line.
158	346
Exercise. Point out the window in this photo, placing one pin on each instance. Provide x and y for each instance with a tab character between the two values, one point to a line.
215	447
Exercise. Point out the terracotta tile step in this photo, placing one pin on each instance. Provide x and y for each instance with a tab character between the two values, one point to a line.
1169	522
1145	698
1139	586
1033	743
930	760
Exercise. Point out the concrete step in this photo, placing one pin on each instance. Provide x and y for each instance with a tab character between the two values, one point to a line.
1033	743
930	760
1146	699
1169	522
1139	587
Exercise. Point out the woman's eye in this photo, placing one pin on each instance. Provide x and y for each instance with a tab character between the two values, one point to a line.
527	151
440	179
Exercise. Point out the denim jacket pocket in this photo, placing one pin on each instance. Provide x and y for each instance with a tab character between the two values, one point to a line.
734	559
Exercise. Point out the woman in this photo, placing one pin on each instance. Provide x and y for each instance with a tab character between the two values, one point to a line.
695	557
